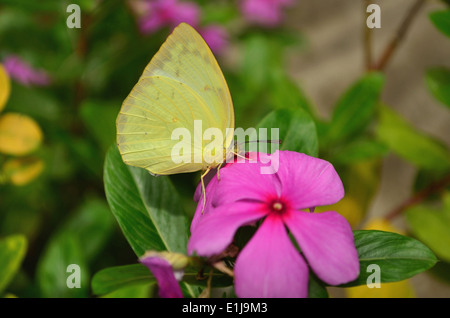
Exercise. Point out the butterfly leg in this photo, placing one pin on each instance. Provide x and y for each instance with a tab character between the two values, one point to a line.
218	170
203	188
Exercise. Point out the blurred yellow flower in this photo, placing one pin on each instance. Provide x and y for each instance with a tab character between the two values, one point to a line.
20	171
19	134
5	87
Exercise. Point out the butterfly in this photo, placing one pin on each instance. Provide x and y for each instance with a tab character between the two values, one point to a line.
182	87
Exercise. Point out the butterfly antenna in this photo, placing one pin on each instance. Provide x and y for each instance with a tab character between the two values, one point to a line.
275	141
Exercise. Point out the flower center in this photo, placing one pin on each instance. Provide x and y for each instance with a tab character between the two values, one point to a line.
277	206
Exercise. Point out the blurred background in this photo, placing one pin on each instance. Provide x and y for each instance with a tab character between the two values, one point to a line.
61	89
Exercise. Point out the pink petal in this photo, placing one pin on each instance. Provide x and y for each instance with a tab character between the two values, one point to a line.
307	181
263	12
214	232
210	181
326	239
185	12
243	180
164	275
210	191
216	37
151	23
24	73
270	265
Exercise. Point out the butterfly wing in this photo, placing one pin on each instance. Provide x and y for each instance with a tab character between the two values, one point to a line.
182	83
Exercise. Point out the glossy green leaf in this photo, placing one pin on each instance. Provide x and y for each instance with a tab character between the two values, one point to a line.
355	109
399	257
296	130
53	270
410	144
441	19
438	82
147	208
115	278
12	252
431	226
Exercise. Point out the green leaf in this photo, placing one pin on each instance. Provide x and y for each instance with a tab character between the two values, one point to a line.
399	257
104	130
316	288
438	82
441	19
441	271
50	6
285	93
410	144
432	227
135	291
296	130
261	56
359	150
52	271
12	252
355	109
115	278
147	208
92	224
23	98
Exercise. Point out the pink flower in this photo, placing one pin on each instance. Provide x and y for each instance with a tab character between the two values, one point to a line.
24	73
264	12
270	265
164	274
168	13
215	36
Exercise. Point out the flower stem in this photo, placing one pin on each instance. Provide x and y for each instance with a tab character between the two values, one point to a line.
418	197
398	36
367	39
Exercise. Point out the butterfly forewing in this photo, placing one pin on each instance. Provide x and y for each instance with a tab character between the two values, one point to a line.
182	83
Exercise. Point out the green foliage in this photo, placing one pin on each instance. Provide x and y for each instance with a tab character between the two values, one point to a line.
441	19
12	252
103	130
52	274
438	82
399	257
147	208
410	144
72	213
296	129
136	291
432	226
355	108
360	149
111	279
316	288
78	241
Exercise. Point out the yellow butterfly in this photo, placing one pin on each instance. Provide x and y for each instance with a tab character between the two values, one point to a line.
180	87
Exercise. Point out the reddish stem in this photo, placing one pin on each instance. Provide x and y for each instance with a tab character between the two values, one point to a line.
435	187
